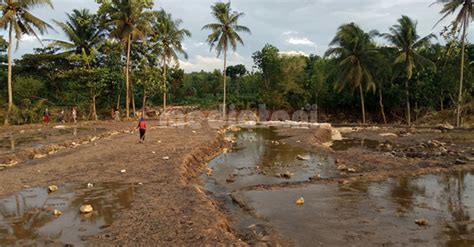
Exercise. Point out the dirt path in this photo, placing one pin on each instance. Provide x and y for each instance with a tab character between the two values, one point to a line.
168	209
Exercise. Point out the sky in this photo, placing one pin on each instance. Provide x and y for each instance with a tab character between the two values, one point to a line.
294	26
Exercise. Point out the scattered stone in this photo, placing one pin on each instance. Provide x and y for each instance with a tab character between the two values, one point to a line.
445	126
194	132
123	171
57	212
153	152
388	135
300	157
159	141
300	201
298	141
422	222
89	185
52	188
209	172
166	158
39	156
461	162
85	209
351	170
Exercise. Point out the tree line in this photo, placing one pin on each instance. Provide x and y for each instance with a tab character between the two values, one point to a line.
127	55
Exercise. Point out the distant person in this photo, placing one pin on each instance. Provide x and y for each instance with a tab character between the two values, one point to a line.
117	115
74	114
142	128
46	116
61	117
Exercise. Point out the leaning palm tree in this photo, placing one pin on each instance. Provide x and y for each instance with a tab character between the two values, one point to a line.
82	31
225	33
356	56
170	37
18	20
406	42
128	20
463	17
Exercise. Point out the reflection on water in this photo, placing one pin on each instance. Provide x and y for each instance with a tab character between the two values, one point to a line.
345	144
17	141
374	213
28	215
259	156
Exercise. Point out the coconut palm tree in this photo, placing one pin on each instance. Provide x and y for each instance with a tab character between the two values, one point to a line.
356	56
170	37
18	20
225	33
82	31
128	20
406	42
465	14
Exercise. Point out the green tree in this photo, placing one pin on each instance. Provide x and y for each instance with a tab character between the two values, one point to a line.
405	40
356	57
170	38
128	21
82	31
465	13
18	20
224	33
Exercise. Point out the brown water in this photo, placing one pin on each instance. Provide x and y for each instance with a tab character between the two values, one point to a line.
259	156
347	143
12	142
26	218
374	214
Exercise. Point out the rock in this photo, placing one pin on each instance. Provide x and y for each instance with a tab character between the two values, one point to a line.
278	175
422	222
166	158
300	157
230	180
209	172
153	152
287	175
386	147
85	209
52	188
388	135
89	185
298	141
351	170
57	212
445	126
300	201
123	171
343	181
460	162
39	156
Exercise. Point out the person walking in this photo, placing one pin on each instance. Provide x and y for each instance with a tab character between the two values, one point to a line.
142	128
46	116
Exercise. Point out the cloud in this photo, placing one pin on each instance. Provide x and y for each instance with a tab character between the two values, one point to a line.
209	63
294	38
30	38
294	53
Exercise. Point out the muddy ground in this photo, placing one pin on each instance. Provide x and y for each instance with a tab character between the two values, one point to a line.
170	206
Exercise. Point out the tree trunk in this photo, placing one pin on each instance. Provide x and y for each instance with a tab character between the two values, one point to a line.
408	103
463	44
381	106
225	83
10	89
362	102
441	103
127	79
94	109
132	95
165	78
144	103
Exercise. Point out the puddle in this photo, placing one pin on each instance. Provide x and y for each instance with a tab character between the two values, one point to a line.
27	217
38	138
348	143
381	214
258	157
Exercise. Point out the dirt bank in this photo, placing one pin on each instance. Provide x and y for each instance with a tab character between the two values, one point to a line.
167	208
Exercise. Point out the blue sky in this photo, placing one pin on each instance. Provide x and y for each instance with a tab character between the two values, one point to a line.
294	26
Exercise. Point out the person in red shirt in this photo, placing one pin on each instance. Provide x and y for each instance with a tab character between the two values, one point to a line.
142	128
